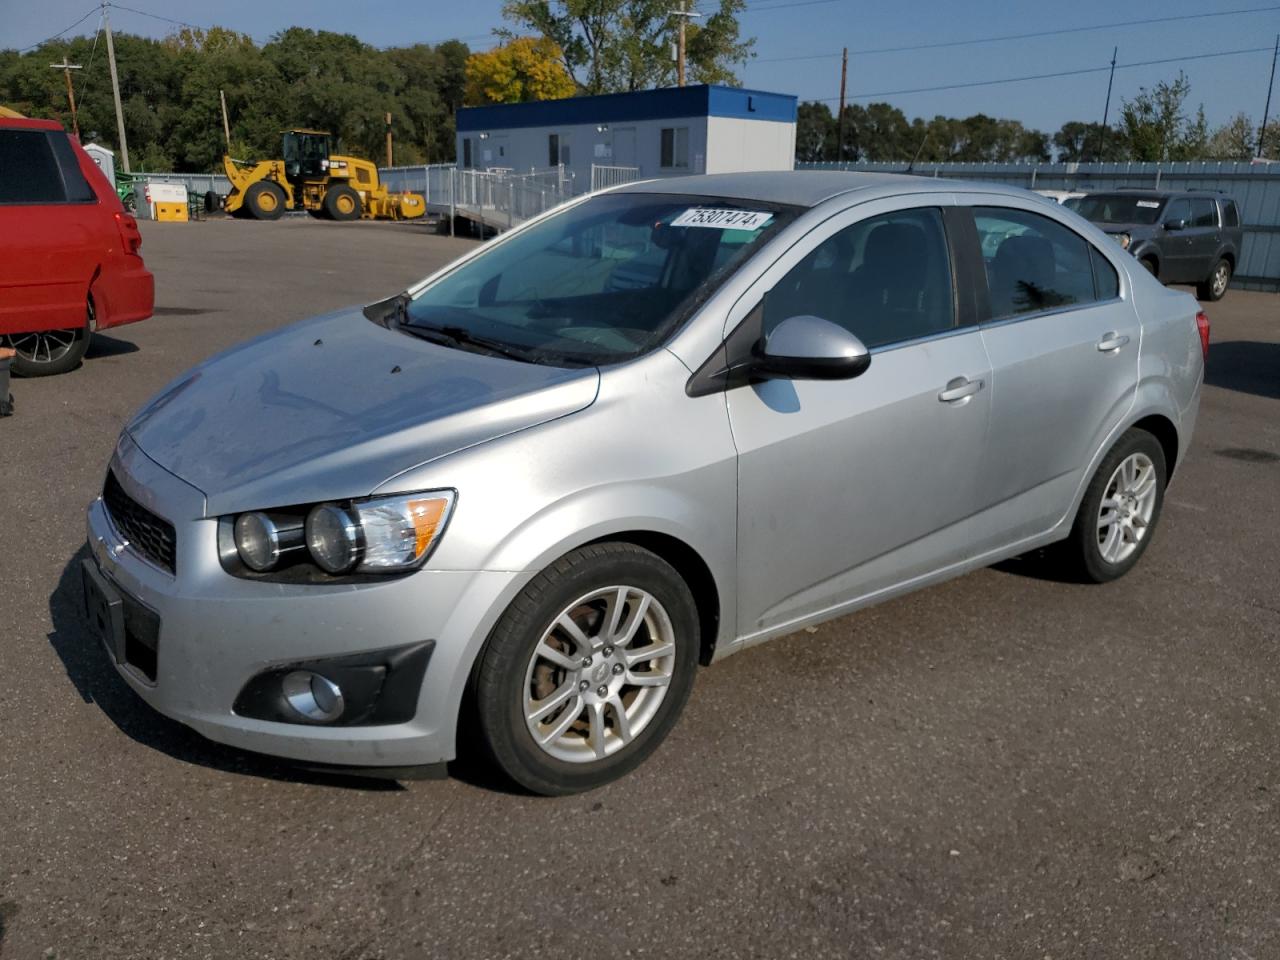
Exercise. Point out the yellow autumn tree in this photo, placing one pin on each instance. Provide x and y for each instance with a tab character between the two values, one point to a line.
527	68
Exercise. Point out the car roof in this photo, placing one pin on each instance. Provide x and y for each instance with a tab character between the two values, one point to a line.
808	188
29	123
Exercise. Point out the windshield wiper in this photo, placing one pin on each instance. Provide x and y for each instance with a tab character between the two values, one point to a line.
461	338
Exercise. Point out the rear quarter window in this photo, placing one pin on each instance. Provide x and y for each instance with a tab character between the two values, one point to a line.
73	179
1106	282
30	172
1230	215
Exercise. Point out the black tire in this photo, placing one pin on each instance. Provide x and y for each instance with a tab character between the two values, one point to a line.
212	202
318	214
501	684
1082	552
342	203
1150	266
49	352
1214	287
264	201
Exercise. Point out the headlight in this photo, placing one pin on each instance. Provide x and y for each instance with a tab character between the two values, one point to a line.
1124	240
333	538
257	541
377	535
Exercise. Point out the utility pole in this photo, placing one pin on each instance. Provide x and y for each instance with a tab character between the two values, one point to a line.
844	75
389	139
1266	111
1106	109
684	13
115	90
226	126
66	69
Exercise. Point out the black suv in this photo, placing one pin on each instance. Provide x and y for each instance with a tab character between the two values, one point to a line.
1181	236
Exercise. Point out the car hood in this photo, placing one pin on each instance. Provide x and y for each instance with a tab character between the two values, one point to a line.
332	407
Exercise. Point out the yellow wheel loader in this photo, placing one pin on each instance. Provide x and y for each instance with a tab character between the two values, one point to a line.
311	178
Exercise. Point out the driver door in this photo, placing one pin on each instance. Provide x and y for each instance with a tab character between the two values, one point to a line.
848	488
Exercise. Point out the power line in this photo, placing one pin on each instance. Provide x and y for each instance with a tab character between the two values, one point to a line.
1047	76
88	71
1021	36
59	33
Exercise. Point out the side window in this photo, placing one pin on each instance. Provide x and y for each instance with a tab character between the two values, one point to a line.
78	189
1179	209
1106	282
675	148
1230	215
885	279
30	171
1204	212
1033	263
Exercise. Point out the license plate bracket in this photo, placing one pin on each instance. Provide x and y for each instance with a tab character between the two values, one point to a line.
103	609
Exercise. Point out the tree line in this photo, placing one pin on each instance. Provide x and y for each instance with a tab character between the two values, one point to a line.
336	82
1155	125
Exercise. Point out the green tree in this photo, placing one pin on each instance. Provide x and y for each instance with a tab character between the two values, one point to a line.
815	132
1154	125
617	45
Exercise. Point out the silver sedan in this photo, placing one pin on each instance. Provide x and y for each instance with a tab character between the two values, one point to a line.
524	499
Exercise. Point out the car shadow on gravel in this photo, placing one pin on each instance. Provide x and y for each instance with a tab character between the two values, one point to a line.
1247	366
96	681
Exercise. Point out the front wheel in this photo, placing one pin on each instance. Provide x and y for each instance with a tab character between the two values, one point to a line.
588	669
1215	287
1120	509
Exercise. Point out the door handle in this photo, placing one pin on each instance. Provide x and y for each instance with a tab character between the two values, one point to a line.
1111	342
959	390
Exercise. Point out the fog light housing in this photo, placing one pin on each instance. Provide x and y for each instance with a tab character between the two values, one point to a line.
314	697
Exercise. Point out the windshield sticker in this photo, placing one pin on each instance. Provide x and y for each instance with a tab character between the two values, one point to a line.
721	219
1149	203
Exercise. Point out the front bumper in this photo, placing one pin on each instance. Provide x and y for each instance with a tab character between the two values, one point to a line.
216	632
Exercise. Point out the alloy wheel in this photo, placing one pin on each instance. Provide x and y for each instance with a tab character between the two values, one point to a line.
1124	517
1221	275
46	346
599	673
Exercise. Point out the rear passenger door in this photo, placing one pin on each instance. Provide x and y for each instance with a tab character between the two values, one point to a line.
1203	236
849	487
1063	339
1175	244
48	246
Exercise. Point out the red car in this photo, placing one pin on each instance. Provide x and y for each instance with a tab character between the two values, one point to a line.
69	261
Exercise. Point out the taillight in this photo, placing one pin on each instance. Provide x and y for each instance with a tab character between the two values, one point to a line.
1202	325
130	235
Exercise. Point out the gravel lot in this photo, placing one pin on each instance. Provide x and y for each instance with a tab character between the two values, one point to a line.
1000	767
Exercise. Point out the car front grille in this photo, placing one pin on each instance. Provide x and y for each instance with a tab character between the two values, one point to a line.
149	535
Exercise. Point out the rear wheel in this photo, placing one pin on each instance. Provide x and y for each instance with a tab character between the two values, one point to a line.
264	200
342	203
1120	509
588	669
49	352
1215	287
1150	266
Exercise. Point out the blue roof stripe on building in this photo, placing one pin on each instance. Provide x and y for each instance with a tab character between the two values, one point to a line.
662	104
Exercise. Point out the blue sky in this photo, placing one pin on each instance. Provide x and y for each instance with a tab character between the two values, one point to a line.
793	29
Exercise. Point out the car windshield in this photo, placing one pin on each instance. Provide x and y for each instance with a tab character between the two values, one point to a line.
604	281
1120	208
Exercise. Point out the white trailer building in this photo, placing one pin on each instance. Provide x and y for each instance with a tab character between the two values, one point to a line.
668	132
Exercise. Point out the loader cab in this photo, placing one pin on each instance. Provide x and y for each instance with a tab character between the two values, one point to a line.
306	154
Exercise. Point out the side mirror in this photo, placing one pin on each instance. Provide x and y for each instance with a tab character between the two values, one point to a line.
1175	225
810	348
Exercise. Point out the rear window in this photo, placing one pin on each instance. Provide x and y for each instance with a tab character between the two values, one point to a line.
1230	215
28	171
